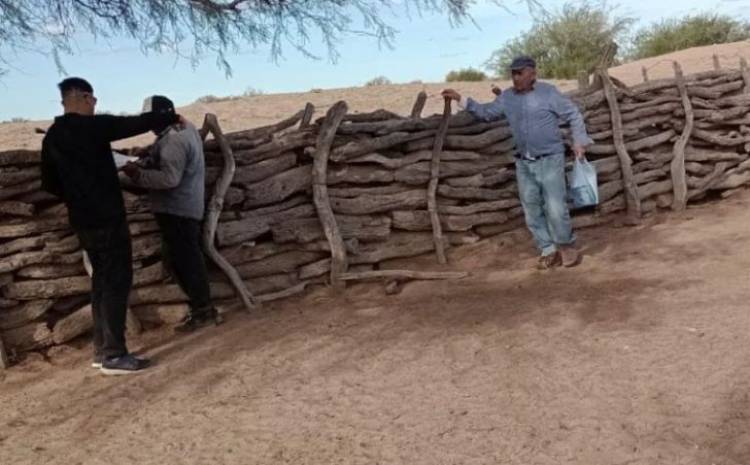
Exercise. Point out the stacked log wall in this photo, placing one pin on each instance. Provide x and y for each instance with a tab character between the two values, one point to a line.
658	145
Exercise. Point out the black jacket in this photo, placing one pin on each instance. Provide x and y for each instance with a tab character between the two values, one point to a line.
77	163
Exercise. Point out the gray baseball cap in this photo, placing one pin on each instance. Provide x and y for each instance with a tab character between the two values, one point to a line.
521	62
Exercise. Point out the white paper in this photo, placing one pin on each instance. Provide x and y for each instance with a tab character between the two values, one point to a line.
121	160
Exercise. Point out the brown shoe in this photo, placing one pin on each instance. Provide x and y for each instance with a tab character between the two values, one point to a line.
570	256
547	262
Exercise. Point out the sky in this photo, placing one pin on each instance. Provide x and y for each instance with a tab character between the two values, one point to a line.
426	48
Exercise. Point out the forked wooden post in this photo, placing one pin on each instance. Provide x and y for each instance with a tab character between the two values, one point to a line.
632	198
416	110
307	115
437	149
644	73
215	205
679	176
717	65
322	202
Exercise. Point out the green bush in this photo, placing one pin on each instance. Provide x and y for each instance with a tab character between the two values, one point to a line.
378	81
466	74
252	92
567	41
691	31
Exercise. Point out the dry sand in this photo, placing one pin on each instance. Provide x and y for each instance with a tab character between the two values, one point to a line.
638	356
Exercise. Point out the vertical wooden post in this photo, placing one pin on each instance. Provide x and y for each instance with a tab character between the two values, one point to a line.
416	110
215	206
307	115
632	199
583	80
437	148
745	75
4	361
644	73
339	264
715	57
679	177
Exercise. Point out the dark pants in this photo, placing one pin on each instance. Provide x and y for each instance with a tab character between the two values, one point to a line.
183	257
110	253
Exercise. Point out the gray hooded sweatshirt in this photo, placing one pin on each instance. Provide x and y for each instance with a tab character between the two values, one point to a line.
175	173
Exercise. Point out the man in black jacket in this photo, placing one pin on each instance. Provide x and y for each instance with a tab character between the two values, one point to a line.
77	166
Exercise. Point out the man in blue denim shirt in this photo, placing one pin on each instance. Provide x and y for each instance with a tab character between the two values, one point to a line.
535	111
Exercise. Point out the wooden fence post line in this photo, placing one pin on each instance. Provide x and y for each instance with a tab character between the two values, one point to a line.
339	264
679	176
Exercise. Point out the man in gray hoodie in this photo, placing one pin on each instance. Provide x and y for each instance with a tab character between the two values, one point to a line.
173	170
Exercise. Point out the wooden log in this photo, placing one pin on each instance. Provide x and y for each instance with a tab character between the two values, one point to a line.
19	189
475	193
215	205
286	262
10	176
437	231
257	133
16	208
149	274
396	162
255	172
419	173
479	207
495	229
278	187
246	253
21	245
745	75
328	222
504	148
419	220
165	293
404	274
362	227
77	323
359	175
644	73
162	314
146	246
48	289
590	220
8	303
275	147
701	185
30	337
51	271
297	289
309	111
352	191
251	227
679	180
22	259
20	157
365	204
633	146
488	178
416	109
655	188
355	149
639	113
25	314
64	245
398	245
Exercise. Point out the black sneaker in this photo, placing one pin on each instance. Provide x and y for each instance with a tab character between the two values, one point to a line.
125	365
197	320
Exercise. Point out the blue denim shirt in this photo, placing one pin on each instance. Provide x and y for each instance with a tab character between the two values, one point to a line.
535	118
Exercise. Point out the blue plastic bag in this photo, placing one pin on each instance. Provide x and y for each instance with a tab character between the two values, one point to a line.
582	186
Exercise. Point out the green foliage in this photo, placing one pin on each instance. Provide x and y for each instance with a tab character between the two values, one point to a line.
378	81
252	92
691	31
466	74
564	42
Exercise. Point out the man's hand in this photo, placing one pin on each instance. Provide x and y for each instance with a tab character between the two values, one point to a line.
132	170
580	151
451	94
496	90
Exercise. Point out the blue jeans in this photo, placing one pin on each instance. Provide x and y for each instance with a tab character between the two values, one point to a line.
541	186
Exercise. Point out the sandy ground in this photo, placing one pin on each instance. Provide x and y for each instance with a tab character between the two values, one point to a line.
638	356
